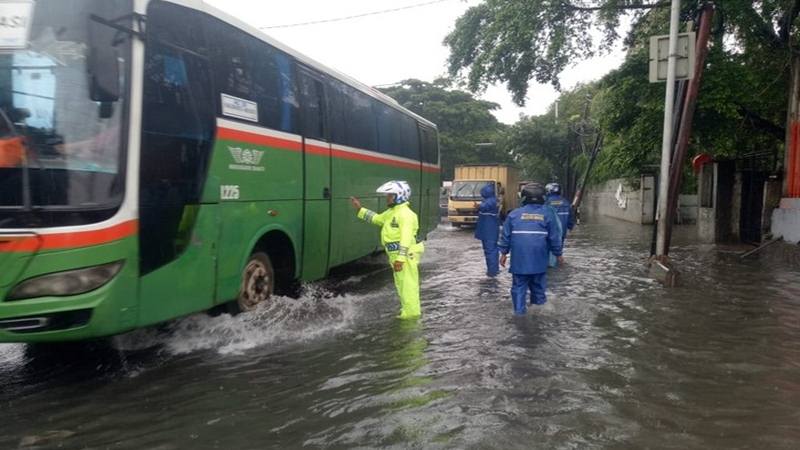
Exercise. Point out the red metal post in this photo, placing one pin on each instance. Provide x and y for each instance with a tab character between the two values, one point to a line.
685	129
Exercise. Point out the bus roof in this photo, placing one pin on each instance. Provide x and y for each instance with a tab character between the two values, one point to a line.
201	5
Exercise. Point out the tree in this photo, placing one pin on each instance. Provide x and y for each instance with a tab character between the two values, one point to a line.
547	147
463	121
516	41
742	103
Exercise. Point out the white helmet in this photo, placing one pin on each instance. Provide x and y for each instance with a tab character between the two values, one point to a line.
553	188
400	189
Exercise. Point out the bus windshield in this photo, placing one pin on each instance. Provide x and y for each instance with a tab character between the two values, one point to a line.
468	190
61	146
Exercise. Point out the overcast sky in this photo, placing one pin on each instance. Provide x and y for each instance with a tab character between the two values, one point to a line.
386	48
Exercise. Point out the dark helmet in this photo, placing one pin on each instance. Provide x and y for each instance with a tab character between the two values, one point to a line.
532	193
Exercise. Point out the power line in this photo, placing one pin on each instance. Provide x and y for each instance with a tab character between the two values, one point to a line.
356	16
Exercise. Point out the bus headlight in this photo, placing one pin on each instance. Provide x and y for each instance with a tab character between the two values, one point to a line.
71	282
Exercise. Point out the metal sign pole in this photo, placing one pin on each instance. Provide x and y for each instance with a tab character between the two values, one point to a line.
666	144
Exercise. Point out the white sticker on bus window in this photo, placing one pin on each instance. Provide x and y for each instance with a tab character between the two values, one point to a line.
15	23
239	108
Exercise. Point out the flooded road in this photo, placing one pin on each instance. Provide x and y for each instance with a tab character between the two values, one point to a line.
612	361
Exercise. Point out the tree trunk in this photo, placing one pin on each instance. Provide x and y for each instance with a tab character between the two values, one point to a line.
791	180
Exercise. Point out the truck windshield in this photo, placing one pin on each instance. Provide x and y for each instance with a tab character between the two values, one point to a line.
468	190
61	152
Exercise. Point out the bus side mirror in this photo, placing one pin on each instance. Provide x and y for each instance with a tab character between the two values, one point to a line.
103	68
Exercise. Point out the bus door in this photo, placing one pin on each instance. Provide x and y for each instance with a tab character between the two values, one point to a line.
177	226
317	173
430	181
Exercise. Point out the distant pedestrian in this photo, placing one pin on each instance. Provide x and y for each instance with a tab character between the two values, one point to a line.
530	233
399	226
563	208
488	229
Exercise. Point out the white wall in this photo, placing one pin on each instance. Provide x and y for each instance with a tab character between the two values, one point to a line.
625	203
786	220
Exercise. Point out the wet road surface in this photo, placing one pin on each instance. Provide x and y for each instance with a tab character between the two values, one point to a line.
612	361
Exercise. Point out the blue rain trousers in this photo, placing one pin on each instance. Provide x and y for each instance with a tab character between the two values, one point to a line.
536	284
492	255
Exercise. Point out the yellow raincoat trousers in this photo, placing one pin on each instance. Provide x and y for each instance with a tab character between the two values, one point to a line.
399	226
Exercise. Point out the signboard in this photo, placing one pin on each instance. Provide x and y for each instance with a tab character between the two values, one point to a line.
659	56
239	108
15	23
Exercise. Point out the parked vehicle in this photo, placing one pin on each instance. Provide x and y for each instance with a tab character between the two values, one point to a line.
467	185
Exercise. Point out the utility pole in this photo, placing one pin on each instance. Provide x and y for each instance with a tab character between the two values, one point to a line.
667	141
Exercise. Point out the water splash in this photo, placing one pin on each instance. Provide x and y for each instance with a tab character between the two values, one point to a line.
11	354
318	312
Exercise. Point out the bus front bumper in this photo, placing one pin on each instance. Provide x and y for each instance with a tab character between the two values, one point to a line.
85	316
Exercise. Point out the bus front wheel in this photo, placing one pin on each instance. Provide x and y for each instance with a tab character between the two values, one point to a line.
258	282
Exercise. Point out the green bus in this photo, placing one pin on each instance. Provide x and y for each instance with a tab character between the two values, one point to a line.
160	158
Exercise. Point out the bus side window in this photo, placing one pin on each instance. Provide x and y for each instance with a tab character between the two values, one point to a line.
252	70
336	111
430	152
397	133
313	112
410	138
177	131
360	124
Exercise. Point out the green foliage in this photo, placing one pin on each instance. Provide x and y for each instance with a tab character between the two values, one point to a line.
463	121
549	148
516	41
538	146
741	106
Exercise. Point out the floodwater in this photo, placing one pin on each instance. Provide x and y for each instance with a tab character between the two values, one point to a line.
612	361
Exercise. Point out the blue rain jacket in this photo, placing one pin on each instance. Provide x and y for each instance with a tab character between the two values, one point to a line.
564	211
488	226
531	233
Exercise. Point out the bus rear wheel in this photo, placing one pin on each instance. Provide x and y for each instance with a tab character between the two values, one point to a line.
258	282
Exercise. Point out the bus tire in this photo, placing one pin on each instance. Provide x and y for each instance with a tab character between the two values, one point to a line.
258	283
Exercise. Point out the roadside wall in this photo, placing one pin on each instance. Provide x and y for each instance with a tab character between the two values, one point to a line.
621	199
786	220
687	209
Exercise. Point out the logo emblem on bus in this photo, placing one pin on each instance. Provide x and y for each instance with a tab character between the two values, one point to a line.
246	159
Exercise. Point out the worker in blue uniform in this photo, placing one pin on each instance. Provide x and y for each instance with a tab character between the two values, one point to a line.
530	233
488	229
562	207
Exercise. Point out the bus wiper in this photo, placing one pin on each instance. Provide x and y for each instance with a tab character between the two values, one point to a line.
140	20
27	201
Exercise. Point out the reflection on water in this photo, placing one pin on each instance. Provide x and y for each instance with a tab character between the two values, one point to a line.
614	360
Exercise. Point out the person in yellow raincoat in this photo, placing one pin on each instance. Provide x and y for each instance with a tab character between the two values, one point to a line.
399	226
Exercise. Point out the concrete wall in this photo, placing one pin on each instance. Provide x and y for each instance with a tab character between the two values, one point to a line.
715	222
786	220
638	199
687	209
633	202
706	225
